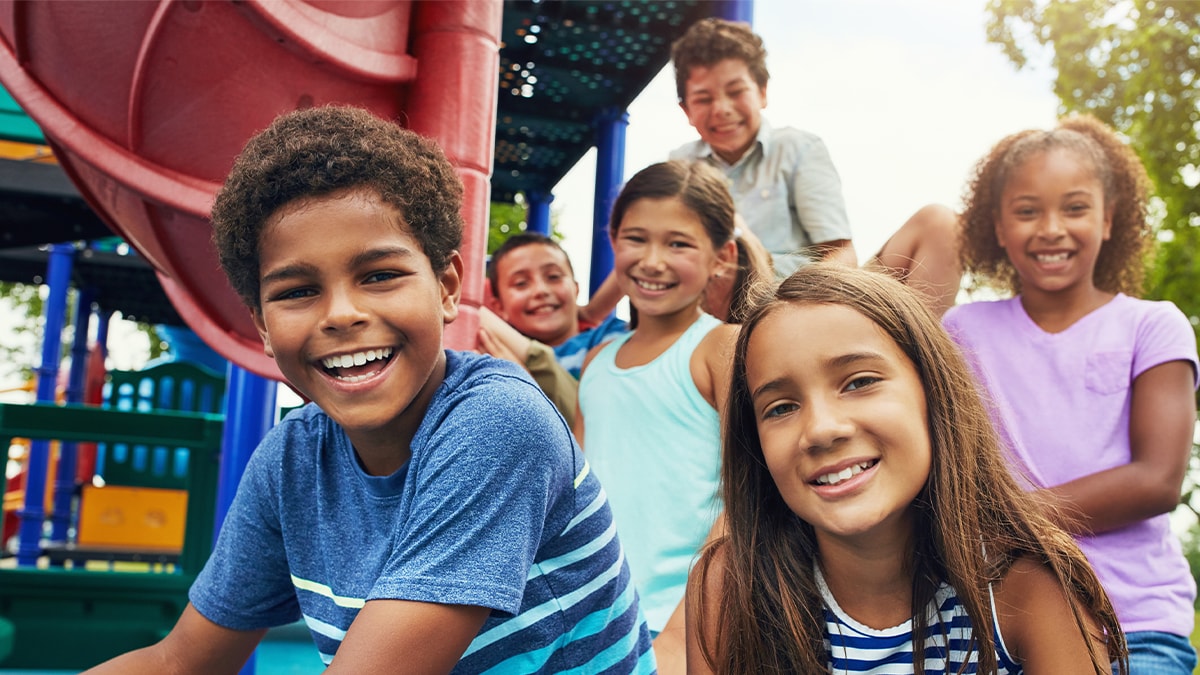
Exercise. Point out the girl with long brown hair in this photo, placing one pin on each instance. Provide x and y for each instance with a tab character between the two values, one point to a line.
871	517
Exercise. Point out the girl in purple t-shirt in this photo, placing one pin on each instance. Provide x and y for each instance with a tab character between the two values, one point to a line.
1092	388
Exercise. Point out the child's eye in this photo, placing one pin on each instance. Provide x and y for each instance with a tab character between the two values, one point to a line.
680	244
633	238
1026	212
376	277
293	294
1077	208
860	382
779	409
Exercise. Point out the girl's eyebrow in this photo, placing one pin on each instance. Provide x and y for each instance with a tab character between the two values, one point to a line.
840	361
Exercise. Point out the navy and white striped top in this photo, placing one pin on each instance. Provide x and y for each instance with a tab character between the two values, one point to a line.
855	648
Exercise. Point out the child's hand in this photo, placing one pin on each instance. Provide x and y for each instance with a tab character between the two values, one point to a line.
501	340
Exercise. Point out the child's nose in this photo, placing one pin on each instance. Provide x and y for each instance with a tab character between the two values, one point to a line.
1052	226
824	426
343	311
654	257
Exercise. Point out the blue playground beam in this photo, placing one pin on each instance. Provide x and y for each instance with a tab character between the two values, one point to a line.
610	125
538	211
735	10
33	514
64	481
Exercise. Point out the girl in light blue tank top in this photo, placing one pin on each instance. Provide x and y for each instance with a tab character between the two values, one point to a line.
873	526
648	400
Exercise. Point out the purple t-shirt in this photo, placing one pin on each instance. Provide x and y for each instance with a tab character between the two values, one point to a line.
1062	403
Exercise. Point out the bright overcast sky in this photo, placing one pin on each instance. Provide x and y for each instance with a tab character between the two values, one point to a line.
907	96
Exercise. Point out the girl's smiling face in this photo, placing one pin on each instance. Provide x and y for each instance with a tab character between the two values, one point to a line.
841	421
663	257
1052	221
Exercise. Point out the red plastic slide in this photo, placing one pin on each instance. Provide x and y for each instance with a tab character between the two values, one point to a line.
146	104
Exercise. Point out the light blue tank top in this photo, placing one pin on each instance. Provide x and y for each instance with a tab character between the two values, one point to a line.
654	443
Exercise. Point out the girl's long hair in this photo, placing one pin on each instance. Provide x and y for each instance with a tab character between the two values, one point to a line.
971	521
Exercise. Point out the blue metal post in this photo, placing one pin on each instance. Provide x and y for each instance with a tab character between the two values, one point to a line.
735	10
102	319
249	414
538	218
610	172
64	482
32	516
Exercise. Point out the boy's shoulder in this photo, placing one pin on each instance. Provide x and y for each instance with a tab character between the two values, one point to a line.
478	390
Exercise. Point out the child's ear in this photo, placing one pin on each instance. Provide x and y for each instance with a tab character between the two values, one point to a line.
261	325
491	297
1108	209
727	255
451	282
762	94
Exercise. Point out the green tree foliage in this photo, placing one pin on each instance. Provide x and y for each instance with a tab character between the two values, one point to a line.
505	220
1133	64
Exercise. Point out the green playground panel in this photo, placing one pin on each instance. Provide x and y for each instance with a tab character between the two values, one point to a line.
15	125
75	618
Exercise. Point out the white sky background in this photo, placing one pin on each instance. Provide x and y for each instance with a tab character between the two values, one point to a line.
906	95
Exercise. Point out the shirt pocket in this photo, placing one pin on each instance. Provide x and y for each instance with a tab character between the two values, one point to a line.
1109	372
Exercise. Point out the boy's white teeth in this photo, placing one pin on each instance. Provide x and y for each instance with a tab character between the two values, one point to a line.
845	474
1052	257
356	358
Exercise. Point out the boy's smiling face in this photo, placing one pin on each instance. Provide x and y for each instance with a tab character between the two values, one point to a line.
724	104
353	313
537	293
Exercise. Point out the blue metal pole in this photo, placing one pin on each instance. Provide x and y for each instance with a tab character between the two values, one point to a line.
610	173
735	10
249	414
32	516
64	483
538	218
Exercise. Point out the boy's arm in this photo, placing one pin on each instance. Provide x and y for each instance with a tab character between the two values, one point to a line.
603	301
816	194
194	645
398	636
1162	420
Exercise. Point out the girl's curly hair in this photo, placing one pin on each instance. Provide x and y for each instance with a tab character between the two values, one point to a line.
1121	263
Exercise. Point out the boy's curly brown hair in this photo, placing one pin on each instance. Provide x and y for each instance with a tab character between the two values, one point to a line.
318	152
1120	265
710	41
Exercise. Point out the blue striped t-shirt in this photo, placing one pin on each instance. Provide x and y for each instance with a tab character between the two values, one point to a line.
497	508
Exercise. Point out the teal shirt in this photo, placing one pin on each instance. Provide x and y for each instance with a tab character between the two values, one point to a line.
654	443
